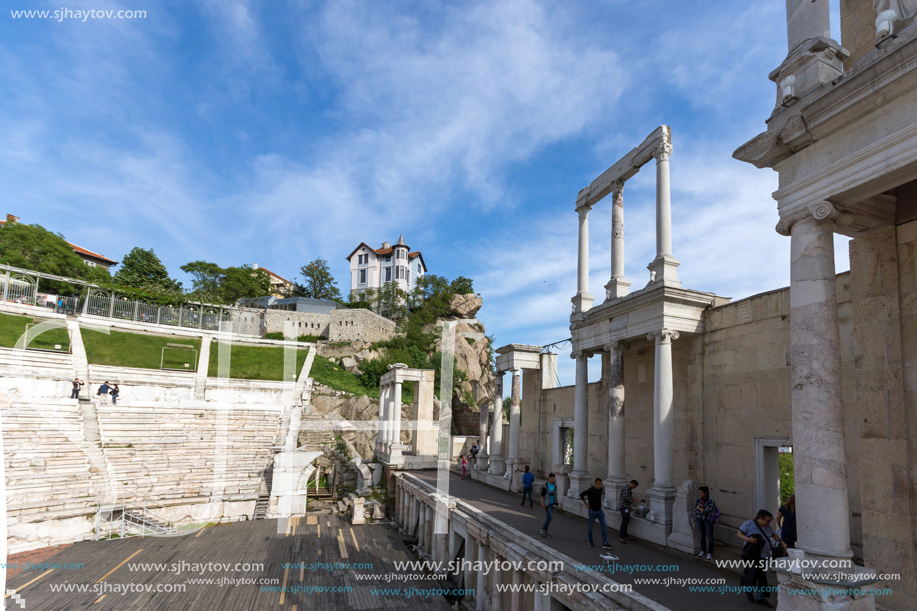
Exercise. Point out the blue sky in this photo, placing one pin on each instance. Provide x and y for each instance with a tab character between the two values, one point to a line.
241	132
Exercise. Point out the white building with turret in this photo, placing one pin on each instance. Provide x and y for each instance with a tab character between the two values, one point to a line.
372	268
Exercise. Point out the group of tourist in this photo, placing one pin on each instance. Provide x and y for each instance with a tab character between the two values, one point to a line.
592	499
105	391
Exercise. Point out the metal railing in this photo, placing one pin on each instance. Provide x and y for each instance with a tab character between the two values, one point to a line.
131	522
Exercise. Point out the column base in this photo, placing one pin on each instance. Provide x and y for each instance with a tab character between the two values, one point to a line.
480	464
665	266
579	481
395	455
582	302
613	486
661	502
497	466
616	288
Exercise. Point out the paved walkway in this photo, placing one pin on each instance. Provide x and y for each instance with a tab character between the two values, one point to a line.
122	574
569	537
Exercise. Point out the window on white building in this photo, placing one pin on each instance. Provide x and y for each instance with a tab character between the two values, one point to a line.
362	276
388	274
388	258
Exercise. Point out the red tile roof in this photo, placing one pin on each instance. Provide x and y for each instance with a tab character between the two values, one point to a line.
82	251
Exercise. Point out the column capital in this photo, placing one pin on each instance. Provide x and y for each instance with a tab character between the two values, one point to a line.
820	211
662	151
583	211
580	354
517	370
616	346
617	191
663	336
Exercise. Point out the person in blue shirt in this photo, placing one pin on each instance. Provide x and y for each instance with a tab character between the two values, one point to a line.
528	480
548	501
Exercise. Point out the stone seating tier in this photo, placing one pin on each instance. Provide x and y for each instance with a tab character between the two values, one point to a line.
35	364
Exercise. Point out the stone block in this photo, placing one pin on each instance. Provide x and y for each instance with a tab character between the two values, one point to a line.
872	413
359	513
684	536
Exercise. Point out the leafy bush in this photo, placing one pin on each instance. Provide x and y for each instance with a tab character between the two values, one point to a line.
274	335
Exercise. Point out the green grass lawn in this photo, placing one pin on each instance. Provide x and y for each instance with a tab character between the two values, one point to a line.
136	350
13	327
333	375
255	362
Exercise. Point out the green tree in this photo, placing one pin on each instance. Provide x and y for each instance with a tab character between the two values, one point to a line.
240	282
205	278
34	247
462	286
318	283
142	269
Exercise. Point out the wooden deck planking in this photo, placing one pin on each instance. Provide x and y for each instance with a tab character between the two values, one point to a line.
252	542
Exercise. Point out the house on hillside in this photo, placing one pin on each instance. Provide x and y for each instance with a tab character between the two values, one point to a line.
372	268
280	286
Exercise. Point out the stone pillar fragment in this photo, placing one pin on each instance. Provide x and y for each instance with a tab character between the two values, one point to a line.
480	596
395	454
617	286
616	467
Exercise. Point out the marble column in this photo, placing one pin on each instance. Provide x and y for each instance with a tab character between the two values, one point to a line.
806	19
395	454
617	286
665	264
583	300
516	596
514	422
496	433
579	477
480	589
662	494
483	455
819	450
616	469
383	420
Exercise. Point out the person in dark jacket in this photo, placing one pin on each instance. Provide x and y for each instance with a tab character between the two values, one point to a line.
758	535
77	385
528	480
114	392
592	498
786	521
102	393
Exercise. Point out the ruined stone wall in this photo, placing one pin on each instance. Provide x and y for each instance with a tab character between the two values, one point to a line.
304	323
347	325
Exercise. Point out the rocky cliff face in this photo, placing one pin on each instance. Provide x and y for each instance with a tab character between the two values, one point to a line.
472	355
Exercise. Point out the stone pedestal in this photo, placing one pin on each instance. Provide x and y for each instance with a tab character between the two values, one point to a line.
518	468
685	537
661	504
359	513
